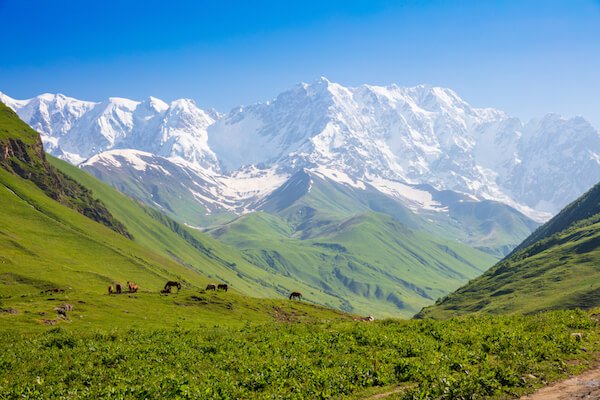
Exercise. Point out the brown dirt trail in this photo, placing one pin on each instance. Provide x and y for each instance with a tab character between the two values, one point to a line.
584	386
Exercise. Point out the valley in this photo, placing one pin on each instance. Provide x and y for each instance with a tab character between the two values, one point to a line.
351	251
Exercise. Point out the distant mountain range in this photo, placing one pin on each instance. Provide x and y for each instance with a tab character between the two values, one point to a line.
389	138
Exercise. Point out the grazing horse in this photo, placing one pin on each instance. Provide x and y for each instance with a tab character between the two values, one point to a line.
211	286
118	288
133	288
172	284
110	289
166	290
222	286
296	295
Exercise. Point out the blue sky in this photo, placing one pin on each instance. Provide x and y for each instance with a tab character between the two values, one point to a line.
527	57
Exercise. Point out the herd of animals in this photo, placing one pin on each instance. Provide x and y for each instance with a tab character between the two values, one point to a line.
133	288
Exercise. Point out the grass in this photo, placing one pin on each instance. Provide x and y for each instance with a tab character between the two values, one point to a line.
558	268
474	357
194	249
376	264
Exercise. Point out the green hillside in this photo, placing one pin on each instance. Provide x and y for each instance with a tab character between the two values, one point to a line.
308	201
557	267
373	262
23	155
383	270
52	253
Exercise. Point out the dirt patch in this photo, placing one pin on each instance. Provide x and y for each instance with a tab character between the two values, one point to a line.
584	386
8	311
48	322
386	394
284	316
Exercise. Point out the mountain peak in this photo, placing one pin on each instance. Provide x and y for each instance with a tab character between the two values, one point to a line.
123	102
156	104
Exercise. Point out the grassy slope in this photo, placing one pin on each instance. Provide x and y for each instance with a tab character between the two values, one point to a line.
375	263
22	153
558	268
44	245
195	249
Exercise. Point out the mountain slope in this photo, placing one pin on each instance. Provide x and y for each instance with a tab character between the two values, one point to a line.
22	154
327	234
191	247
312	198
557	267
51	254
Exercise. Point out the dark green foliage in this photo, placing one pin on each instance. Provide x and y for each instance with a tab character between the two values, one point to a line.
470	358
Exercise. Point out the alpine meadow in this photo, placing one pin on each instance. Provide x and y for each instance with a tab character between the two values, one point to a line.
204	215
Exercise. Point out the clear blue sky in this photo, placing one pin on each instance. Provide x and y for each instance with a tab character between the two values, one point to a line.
527	57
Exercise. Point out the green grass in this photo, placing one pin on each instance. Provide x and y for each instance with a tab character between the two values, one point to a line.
374	275
195	249
373	262
476	357
557	268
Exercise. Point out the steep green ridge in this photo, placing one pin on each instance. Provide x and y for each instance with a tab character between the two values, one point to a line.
22	153
584	207
557	267
376	264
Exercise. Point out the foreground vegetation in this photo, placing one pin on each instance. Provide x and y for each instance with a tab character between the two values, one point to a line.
470	357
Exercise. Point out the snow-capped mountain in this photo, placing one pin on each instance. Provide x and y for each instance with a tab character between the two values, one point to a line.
390	138
416	135
76	130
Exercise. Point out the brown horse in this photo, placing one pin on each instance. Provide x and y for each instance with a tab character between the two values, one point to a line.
133	288
172	284
118	288
296	295
211	286
222	286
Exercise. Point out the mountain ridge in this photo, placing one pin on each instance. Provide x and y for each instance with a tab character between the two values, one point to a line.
418	135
